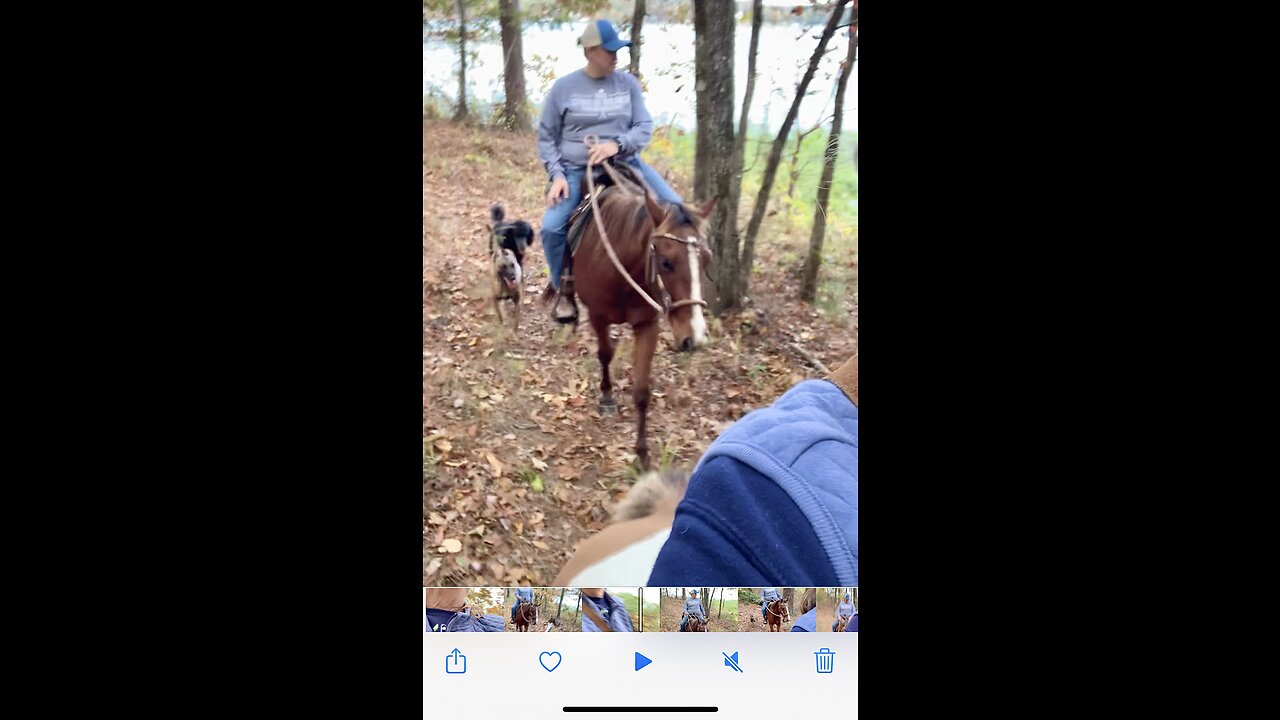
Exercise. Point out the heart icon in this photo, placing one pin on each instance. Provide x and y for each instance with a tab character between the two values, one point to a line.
545	660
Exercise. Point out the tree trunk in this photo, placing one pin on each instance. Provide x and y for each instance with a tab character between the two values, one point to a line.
714	171
637	21
560	606
741	141
775	153
795	166
728	239
513	66
577	611
461	113
720	611
809	278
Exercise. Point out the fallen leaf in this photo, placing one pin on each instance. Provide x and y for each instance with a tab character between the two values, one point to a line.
498	569
540	545
537	518
452	545
539	464
435	519
444	446
493	462
433	566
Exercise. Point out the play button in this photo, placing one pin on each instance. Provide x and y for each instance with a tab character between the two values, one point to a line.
641	661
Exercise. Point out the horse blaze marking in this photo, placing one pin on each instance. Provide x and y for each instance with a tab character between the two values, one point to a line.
699	324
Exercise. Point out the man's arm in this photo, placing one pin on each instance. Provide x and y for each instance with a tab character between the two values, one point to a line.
550	126
637	138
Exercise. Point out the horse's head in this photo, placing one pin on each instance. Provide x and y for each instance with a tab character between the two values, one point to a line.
682	256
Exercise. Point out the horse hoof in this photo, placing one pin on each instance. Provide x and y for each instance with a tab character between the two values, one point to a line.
608	408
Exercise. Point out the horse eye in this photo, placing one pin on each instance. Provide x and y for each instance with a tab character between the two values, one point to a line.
667	266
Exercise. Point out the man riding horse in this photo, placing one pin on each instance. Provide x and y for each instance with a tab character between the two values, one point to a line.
523	595
692	608
768	596
594	101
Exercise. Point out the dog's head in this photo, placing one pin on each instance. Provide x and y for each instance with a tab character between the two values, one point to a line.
507	268
515	236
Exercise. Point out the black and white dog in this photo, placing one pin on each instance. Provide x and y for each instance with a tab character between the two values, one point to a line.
507	243
514	236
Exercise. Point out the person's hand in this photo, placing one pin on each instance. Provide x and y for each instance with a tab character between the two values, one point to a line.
601	151
559	190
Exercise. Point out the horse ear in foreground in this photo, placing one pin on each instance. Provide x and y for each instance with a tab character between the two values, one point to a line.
624	553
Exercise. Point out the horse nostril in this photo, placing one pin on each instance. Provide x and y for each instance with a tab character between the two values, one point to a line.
687	344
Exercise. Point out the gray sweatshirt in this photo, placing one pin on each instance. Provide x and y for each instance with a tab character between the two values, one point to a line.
578	105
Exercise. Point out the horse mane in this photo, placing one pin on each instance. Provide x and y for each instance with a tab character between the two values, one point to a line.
625	217
634	221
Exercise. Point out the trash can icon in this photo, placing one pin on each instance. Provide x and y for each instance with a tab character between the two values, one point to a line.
826	660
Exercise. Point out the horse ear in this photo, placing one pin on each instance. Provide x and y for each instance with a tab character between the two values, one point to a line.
655	210
710	205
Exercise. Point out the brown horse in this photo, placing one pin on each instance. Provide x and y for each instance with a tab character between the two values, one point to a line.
526	615
774	613
694	625
841	623
660	249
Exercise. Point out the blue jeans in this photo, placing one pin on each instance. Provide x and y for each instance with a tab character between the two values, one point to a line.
555	223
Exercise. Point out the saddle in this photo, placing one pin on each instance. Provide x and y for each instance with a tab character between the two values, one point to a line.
581	217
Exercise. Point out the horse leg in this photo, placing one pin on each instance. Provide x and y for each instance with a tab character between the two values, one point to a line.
605	355
646	338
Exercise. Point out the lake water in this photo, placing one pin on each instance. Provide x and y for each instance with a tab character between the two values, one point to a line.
667	64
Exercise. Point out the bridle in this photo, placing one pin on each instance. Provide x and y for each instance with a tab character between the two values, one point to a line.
692	244
651	264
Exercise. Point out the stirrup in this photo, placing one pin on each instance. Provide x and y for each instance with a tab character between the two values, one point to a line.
565	293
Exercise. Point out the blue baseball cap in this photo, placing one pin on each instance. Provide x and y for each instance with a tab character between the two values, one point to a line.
602	32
